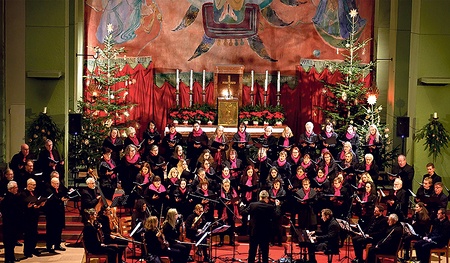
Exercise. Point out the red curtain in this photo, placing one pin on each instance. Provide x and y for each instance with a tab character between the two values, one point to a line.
299	103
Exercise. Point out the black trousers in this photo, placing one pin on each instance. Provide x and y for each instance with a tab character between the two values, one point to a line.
263	243
359	244
30	237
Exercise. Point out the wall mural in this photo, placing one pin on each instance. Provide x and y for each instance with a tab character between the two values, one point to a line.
198	34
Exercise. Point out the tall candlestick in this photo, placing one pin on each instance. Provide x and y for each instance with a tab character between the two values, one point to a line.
278	83
191	80
267	81
204	84
251	89
178	80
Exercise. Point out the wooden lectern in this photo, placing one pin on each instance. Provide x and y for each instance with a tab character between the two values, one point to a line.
228	93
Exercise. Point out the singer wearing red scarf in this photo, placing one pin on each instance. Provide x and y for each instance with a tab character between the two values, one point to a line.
197	142
115	143
107	174
241	141
305	206
373	143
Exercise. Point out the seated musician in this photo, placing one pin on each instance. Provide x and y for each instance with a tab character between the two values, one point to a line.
421	222
144	178
177	155
194	224
370	166
171	229
156	244
397	201
140	215
156	195
366	202
183	170
437	238
180	198
218	149
234	163
249	192
273	175
92	237
305	206
240	141
276	192
203	191
283	167
228	212
110	230
374	231
89	197
294	159
328	239
389	241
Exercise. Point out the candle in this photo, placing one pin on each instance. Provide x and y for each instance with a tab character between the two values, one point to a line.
252	83
178	80
267	80
191	80
278	83
434	115
45	110
204	79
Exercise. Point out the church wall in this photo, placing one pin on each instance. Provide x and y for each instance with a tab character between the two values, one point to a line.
433	61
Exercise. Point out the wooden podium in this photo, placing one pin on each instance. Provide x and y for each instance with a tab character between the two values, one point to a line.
228	93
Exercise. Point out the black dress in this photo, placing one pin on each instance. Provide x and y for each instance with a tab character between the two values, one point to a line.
116	147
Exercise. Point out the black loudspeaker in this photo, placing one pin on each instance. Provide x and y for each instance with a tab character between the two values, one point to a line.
403	127
74	123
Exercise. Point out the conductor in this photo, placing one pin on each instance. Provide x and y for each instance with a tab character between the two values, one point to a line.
261	213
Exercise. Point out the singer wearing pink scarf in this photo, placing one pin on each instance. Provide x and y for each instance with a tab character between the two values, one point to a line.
228	193
115	143
328	139
108	176
197	142
132	138
286	140
283	167
374	142
218	151
277	193
240	140
305	208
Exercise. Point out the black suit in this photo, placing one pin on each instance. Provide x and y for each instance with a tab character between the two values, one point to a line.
31	217
406	173
93	244
44	165
375	229
11	221
88	199
55	215
327	240
261	215
388	244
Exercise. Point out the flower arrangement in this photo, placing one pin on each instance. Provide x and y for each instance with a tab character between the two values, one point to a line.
199	112
259	113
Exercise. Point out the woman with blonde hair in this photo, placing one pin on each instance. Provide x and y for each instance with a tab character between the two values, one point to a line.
171	229
183	170
154	242
374	142
173	179
218	144
286	140
132	138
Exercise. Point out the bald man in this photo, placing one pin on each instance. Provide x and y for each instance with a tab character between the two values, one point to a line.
19	159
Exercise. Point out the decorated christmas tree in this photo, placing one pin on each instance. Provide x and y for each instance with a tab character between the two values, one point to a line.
434	136
104	104
349	101
41	129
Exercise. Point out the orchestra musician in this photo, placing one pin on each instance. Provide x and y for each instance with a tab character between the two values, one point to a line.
328	139
151	137
197	142
218	151
172	139
240	141
115	143
308	141
108	236
261	213
227	209
421	222
276	192
11	217
176	157
107	176
194	224
374	231
92	237
140	215
389	242
55	214
328	239
171	229
89	197
156	161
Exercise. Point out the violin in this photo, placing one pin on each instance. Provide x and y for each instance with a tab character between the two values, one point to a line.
182	230
162	239
199	219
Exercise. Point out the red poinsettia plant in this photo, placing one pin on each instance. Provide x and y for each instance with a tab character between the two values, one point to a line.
260	113
198	112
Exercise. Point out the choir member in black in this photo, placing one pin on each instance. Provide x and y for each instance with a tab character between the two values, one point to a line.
140	215
389	242
374	143
240	141
27	173
181	201
109	238
31	216
296	181
404	171
89	197
194	223
201	175
425	191
339	202
397	200
248	187
132	139
156	161
328	139
294	159
442	198
305	206
130	166
197	142
329	166
171	229
374	231
327	239
283	166
11	217
19	159
273	175
218	151
310	167
227	193
286	140
365	178
183	170
421	222
430	173
206	156
203	191
143	179
8	177
55	214
172	181
172	139
235	165
49	161
225	174
352	137
350	165
178	154
262	165
92	237
276	192
261	214
108	177
365	204
115	143
308	141
347	148
439	235
370	166
270	142
156	195
150	137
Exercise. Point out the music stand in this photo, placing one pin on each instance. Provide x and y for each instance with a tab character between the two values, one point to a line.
345	226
